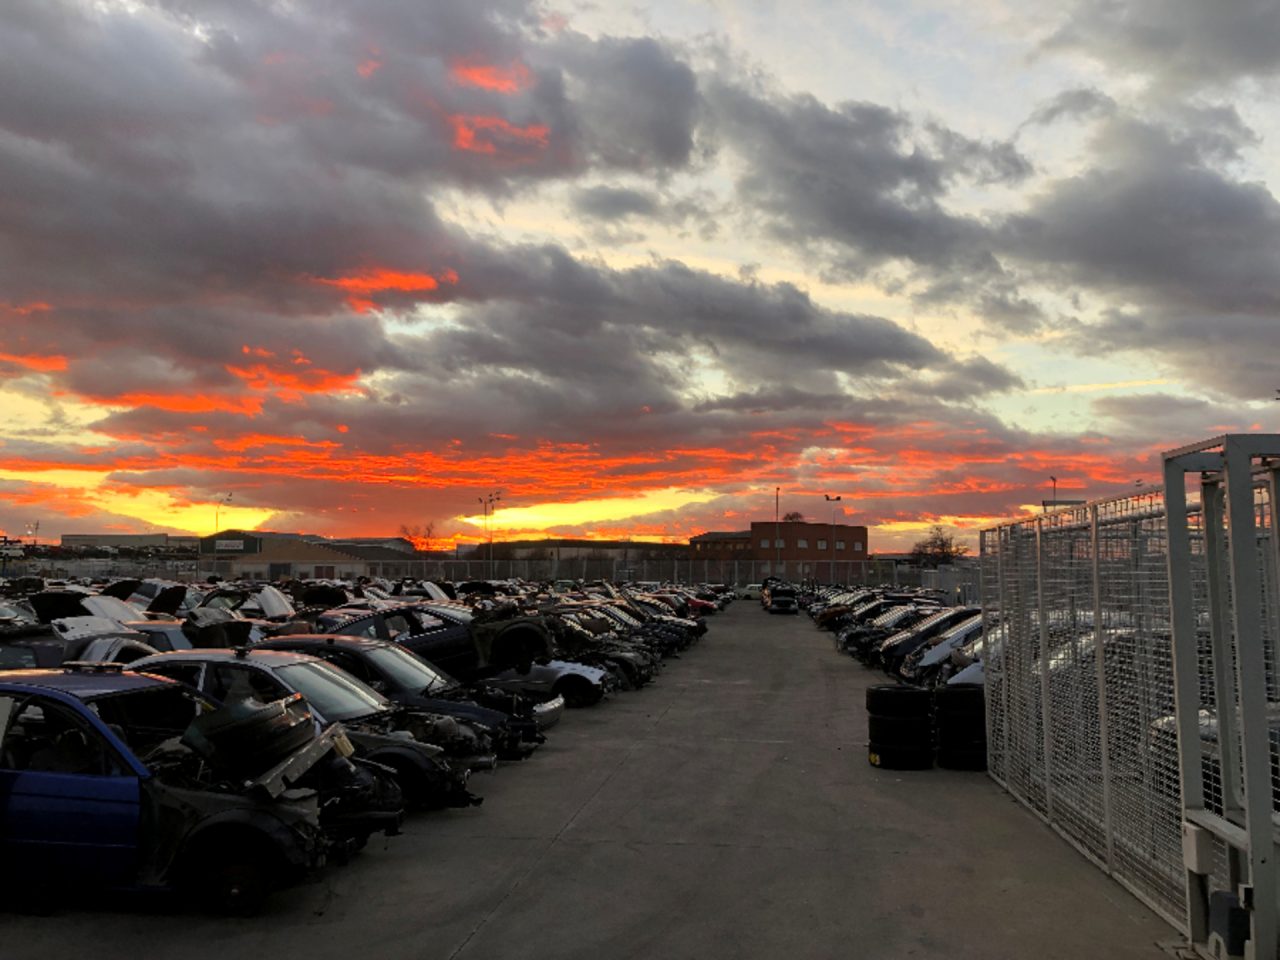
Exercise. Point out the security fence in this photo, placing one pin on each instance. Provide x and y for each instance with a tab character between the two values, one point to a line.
1095	724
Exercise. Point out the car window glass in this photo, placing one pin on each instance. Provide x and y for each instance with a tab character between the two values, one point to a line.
229	681
146	718
45	736
397	623
186	672
348	662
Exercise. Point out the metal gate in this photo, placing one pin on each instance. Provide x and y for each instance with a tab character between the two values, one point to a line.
1095	723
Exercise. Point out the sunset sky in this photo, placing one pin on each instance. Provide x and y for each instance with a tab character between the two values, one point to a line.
339	266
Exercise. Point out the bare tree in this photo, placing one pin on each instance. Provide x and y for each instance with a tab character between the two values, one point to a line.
937	548
795	516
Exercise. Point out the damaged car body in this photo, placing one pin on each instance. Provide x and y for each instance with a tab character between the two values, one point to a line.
104	783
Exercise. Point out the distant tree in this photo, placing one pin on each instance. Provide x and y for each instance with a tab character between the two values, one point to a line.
937	548
419	534
794	515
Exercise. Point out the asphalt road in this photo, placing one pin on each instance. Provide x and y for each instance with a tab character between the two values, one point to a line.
726	811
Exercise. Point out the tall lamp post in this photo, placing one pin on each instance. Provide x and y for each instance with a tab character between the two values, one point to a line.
217	513
833	501
1054	502
487	504
777	532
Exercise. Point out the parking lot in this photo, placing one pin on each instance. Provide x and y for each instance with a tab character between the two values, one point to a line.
728	810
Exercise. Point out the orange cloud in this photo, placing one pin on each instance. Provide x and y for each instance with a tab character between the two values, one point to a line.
367	68
40	364
493	136
379	279
182	402
487	76
289	385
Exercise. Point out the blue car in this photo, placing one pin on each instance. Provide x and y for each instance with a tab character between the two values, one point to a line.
100	785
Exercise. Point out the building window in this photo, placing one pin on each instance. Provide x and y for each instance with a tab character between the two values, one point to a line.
822	544
779	543
857	547
802	544
839	544
764	544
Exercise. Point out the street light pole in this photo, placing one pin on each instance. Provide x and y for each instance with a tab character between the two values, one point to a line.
833	501
1054	501
487	504
777	532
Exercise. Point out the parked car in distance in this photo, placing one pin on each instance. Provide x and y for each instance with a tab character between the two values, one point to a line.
400	675
780	598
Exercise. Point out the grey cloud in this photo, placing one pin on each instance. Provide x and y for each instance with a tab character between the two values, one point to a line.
1179	44
615	203
1081	102
638	105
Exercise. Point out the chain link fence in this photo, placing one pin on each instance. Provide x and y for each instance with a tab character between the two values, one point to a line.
1080	685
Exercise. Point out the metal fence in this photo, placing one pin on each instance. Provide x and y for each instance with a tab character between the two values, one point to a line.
1086	700
1080	685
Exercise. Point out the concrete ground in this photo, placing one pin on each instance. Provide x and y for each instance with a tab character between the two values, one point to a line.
726	811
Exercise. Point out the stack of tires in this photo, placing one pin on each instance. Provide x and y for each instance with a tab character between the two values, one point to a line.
900	722
962	726
908	726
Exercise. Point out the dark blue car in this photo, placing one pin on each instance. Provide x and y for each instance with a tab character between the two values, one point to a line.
97	788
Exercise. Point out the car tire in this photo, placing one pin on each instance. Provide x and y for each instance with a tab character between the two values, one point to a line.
895	700
900	758
961	699
233	877
895	732
577	692
964	758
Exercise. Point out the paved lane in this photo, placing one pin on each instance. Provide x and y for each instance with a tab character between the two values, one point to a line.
727	811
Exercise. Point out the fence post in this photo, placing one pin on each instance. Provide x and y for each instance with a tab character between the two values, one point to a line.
1104	735
1046	702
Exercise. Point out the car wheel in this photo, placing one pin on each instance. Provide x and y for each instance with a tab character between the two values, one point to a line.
578	691
233	877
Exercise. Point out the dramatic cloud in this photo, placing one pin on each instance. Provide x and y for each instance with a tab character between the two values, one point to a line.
357	261
1178	43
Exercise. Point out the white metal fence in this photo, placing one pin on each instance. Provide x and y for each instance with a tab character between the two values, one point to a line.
1095	724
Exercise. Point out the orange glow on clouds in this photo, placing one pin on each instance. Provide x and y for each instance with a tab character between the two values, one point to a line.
487	76
362	285
493	135
37	363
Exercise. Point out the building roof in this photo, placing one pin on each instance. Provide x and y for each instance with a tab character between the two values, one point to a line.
722	535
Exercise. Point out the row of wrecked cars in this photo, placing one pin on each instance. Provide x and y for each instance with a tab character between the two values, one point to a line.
909	634
225	741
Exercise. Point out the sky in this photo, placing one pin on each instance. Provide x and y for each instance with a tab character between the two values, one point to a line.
348	268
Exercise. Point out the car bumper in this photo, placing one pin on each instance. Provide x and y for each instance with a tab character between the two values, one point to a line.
548	713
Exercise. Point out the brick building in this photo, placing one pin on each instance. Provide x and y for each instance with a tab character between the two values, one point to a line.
795	549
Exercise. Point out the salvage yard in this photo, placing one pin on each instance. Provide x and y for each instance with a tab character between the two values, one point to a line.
727	810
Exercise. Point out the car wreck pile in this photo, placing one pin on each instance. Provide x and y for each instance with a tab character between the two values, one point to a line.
226	740
933	712
909	634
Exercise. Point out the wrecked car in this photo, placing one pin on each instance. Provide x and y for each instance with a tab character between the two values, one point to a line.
99	789
400	675
396	737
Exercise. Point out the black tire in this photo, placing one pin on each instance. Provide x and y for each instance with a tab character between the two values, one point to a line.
973	758
909	732
961	698
950	738
233	876
899	758
895	700
577	692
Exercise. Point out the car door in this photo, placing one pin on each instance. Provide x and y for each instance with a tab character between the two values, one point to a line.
444	642
70	806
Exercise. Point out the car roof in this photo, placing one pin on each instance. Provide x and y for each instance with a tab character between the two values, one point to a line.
289	640
278	658
84	685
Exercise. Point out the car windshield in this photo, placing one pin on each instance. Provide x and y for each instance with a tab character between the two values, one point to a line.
407	672
334	695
